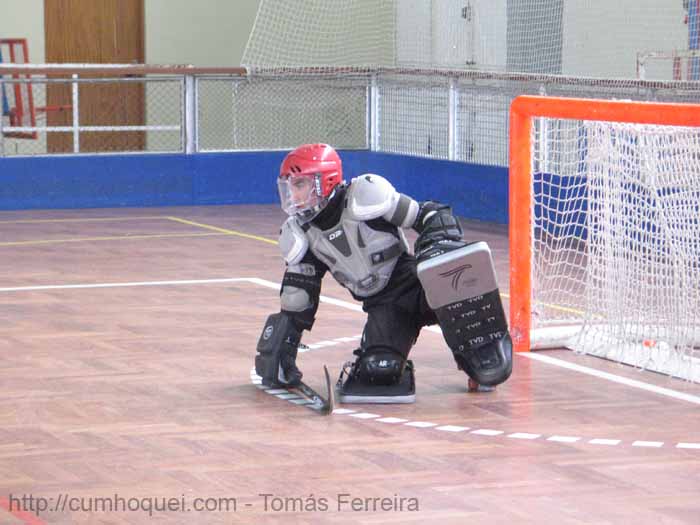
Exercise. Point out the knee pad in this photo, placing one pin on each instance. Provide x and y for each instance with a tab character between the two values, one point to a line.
380	368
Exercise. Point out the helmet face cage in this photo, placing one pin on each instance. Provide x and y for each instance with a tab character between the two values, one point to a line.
308	176
301	195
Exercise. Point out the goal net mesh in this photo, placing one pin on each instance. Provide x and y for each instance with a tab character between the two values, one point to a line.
616	242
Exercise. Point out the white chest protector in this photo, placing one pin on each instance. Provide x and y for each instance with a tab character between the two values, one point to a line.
360	258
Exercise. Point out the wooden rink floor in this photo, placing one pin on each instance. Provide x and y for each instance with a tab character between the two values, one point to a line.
126	350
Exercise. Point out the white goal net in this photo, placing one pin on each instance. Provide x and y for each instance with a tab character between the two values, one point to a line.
616	242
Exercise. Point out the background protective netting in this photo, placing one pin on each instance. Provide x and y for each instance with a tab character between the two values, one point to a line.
593	38
440	75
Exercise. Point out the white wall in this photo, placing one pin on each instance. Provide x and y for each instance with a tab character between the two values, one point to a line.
24	19
602	37
202	32
413	33
478	40
434	33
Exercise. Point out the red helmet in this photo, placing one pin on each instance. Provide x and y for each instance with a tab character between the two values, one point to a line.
307	178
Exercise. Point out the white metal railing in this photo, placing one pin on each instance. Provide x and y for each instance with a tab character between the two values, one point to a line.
446	114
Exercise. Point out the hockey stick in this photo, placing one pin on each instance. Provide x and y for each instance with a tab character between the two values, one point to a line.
325	404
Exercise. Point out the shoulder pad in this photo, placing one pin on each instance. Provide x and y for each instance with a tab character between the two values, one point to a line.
370	196
293	242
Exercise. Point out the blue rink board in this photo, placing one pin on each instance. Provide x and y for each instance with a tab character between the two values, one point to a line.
103	181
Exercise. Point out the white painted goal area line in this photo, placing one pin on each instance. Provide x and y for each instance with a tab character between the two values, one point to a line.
612	377
121	285
357	413
357	308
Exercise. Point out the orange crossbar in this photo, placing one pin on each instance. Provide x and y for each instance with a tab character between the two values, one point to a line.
522	111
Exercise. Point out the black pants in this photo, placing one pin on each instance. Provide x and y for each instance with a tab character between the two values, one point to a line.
396	315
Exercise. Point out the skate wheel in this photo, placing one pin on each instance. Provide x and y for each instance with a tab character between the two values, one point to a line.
473	386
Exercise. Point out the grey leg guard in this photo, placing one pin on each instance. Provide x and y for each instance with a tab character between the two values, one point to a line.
460	286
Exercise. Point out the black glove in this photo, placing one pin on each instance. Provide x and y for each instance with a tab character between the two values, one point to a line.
439	230
277	348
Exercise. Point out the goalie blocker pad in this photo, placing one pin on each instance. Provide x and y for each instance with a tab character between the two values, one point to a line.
278	337
461	288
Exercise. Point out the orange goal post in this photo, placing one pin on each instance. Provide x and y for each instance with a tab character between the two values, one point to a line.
604	230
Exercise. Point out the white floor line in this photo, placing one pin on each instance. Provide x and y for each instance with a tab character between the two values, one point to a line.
120	285
391	420
611	377
600	374
364	415
324	299
451	428
564	439
322	344
688	445
357	308
420	424
609	442
487	432
653	444
295	399
524	435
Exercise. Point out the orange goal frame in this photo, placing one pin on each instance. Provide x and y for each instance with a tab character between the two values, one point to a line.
522	112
